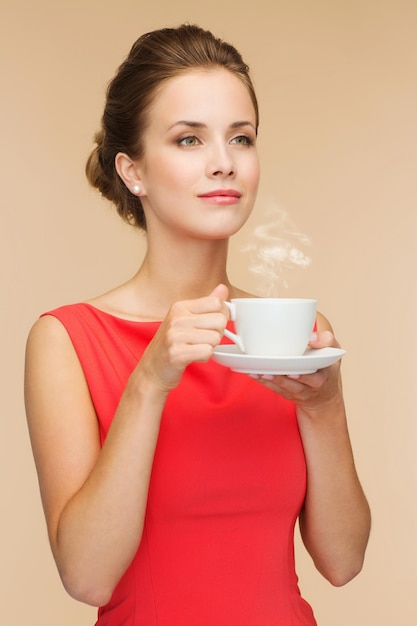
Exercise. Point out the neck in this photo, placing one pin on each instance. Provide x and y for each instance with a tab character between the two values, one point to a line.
167	275
190	270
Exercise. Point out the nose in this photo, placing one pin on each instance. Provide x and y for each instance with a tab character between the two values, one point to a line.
221	163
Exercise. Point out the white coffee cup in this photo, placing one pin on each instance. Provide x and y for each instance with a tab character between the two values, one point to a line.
272	326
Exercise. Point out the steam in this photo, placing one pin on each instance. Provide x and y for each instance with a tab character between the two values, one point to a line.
275	247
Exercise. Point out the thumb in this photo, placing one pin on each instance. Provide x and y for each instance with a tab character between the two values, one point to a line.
221	291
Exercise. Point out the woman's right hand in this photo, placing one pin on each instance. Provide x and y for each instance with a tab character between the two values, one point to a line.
189	333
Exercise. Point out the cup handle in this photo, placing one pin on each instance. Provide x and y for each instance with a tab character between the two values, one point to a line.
228	333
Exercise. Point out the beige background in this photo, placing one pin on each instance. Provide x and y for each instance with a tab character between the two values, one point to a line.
337	86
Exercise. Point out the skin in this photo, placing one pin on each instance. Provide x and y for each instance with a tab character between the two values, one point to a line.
95	498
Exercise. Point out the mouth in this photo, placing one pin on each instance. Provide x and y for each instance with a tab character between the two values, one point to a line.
221	196
227	193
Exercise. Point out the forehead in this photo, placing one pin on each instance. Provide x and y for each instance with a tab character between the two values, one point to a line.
203	93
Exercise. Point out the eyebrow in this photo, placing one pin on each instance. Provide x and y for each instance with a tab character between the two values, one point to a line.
191	124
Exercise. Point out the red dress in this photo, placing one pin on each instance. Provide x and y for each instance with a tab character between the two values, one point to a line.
228	481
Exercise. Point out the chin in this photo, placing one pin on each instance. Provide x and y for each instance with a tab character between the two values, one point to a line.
221	234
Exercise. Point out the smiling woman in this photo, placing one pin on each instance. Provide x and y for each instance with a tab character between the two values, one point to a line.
171	485
208	162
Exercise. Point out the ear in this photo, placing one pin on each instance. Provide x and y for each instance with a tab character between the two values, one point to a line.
129	172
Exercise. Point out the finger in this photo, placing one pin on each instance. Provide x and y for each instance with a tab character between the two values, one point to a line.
183	355
195	336
183	327
293	383
323	339
285	387
221	292
218	297
208	304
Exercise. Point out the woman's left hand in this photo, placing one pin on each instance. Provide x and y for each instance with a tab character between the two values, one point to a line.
310	392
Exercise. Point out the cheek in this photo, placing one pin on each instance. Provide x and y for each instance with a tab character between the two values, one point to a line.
175	173
253	174
249	165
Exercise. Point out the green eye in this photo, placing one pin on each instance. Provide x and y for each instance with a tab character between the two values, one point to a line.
188	141
242	140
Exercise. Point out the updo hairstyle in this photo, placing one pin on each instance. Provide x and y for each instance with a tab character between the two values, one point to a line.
153	59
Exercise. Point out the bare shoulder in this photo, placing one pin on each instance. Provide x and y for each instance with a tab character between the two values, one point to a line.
46	329
323	323
53	372
49	347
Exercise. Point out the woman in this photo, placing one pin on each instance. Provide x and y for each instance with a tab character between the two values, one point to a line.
170	484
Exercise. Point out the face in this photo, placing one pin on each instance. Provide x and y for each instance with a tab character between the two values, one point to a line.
200	172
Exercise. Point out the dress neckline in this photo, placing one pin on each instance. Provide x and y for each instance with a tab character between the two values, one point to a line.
117	317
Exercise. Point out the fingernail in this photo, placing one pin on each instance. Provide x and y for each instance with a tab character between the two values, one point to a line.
313	337
267	377
293	376
254	376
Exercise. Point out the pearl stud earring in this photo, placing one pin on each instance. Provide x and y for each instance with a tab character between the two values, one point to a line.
136	189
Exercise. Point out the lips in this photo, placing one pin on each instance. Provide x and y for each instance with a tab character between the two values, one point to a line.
222	193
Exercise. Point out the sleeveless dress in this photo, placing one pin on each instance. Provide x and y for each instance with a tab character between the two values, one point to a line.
227	484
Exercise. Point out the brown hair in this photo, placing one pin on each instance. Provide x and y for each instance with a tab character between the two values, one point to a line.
153	59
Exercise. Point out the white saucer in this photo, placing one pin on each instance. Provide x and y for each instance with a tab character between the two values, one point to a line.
311	361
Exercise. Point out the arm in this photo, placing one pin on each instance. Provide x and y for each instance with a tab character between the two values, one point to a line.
335	520
95	498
